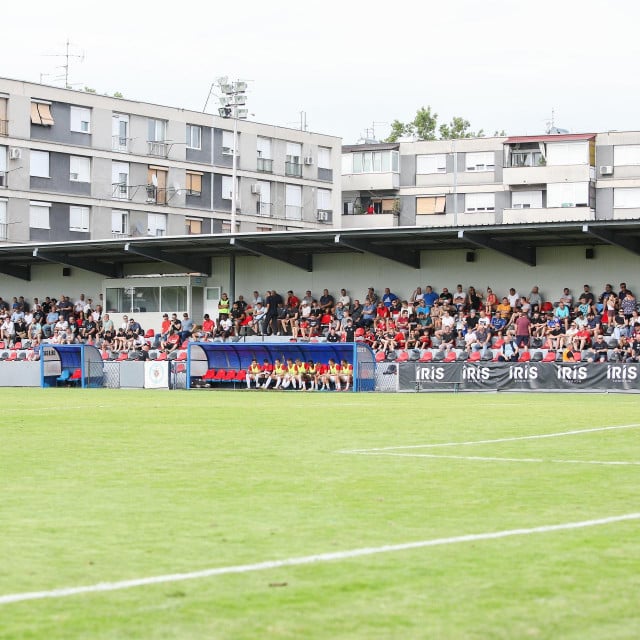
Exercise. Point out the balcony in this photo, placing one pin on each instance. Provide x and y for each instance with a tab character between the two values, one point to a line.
265	165
547	214
118	143
156	195
370	181
546	174
4	127
364	221
293	169
157	149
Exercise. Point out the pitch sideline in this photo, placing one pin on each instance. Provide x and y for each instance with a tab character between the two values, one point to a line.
305	560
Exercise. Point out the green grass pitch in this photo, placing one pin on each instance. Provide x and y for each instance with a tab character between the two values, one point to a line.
103	486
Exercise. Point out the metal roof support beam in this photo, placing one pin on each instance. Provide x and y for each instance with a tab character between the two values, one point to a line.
104	269
303	261
409	257
23	273
611	237
519	252
193	264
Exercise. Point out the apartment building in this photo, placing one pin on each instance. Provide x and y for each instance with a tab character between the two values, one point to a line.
80	166
493	181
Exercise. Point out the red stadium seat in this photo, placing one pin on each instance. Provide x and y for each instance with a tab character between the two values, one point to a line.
525	356
427	356
550	356
450	357
475	356
124	355
380	356
182	355
403	356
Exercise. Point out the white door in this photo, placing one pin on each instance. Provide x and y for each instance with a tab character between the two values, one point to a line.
211	299
120	132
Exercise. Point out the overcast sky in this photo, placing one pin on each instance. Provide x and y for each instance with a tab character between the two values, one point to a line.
351	66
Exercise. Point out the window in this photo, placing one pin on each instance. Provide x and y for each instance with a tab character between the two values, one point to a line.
227	143
156	224
193	226
120	180
526	200
80	119
3	166
265	162
157	184
433	163
120	132
372	162
564	153
4	229
194	136
157	130
628	198
479	202
263	204
39	166
78	218
293	202
4	123
628	154
135	299
526	158
41	114
39	215
292	166
568	194
324	199
481	161
227	187
119	223
324	158
79	169
194	183
428	205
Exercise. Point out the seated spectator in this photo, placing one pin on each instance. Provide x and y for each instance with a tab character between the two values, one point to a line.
473	300
509	351
504	309
172	343
601	349
208	328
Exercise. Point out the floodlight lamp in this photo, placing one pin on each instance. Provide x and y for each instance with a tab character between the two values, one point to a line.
224	112
239	87
242	114
239	99
225	101
226	89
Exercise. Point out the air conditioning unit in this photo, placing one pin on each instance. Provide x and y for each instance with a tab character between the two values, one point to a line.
255	188
606	170
568	204
308	160
15	153
323	216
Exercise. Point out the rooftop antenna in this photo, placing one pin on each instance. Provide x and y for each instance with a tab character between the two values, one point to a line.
67	55
303	121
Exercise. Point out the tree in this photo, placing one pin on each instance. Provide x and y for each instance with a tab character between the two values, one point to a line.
425	125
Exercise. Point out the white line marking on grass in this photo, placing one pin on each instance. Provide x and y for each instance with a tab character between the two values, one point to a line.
491	459
538	436
313	559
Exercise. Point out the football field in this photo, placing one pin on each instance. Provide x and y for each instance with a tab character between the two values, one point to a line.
252	515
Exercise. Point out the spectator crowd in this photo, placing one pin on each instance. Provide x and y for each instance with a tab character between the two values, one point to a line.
498	326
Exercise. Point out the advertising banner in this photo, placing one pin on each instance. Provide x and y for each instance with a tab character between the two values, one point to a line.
526	376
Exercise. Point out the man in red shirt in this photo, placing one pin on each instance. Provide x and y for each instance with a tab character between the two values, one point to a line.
292	300
523	329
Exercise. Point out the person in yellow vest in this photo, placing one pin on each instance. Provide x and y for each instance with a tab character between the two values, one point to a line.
291	375
278	374
346	374
332	374
300	370
253	373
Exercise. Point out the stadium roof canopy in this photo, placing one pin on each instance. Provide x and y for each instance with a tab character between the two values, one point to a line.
403	245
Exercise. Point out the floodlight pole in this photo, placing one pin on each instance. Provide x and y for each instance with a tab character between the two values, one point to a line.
234	172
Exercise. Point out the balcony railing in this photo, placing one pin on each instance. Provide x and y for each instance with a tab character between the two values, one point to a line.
293	169
157	149
117	235
121	191
4	127
118	143
263	208
265	165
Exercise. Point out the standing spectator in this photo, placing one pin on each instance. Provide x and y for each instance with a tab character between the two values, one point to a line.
274	302
187	326
388	297
473	299
514	299
224	308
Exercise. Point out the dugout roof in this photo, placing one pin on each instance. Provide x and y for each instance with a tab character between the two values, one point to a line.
401	244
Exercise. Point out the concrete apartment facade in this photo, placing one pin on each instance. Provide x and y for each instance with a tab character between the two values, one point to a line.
81	166
493	181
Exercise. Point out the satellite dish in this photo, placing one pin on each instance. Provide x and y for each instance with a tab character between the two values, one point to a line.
154	180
